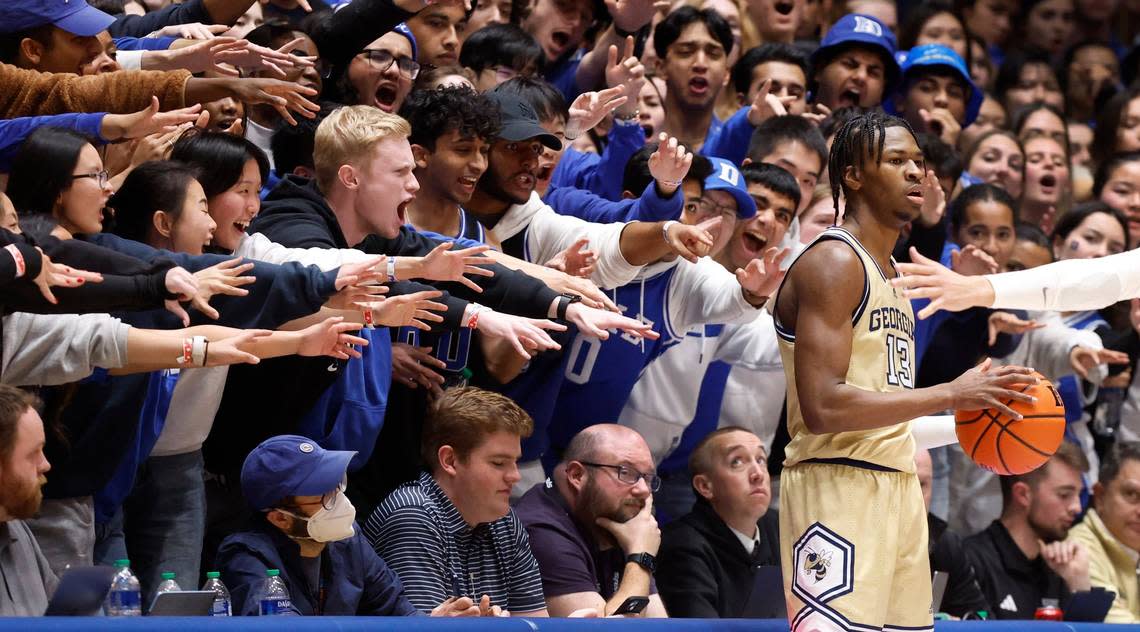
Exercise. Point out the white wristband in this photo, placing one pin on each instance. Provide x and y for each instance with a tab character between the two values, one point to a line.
391	269
665	229
198	351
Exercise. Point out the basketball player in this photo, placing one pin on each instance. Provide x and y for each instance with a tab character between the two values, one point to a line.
852	520
1076	284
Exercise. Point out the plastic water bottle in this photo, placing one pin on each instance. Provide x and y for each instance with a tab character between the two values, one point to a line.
168	584
274	595
125	598
221	595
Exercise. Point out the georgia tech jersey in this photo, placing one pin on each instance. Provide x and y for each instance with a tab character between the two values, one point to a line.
882	359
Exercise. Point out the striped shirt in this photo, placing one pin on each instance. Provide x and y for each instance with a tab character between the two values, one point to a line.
419	533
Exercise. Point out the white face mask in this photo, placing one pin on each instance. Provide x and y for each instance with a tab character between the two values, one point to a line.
331	525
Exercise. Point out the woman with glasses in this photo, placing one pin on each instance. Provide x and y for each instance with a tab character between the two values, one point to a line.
382	74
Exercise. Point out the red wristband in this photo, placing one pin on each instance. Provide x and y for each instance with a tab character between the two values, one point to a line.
368	319
187	351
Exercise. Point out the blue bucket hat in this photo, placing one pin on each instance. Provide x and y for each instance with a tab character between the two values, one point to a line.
933	55
726	177
855	28
291	465
74	16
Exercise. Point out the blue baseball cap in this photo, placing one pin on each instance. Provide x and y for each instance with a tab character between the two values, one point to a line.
403	29
290	465
933	55
726	177
855	28
74	16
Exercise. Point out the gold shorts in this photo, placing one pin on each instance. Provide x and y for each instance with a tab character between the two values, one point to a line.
853	546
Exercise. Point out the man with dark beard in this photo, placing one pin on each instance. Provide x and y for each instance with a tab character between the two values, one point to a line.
26	580
1022	557
591	524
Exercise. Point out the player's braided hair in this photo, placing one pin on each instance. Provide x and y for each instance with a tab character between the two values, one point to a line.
860	137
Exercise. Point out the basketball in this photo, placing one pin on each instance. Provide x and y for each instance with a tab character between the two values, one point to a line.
1014	446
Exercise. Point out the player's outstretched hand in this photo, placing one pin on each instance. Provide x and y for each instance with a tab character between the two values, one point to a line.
946	289
639	534
595	323
524	334
986	387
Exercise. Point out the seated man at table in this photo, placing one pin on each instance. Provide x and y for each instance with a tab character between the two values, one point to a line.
451	531
306	530
591	524
1111	531
709	557
1022	559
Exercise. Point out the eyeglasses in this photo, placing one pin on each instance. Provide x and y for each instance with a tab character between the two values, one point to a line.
630	476
712	208
101	177
329	498
382	60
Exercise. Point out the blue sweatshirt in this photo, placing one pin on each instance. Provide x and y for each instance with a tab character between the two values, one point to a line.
14	131
601	174
730	140
144	43
650	207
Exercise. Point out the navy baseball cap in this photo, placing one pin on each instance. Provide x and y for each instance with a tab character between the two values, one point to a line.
726	177
74	16
933	55
520	121
855	28
290	465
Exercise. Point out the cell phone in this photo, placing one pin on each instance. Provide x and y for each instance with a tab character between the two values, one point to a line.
632	605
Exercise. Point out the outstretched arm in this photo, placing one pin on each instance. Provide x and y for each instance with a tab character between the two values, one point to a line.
1065	285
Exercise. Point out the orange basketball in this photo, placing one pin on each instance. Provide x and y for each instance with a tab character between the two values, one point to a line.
1007	446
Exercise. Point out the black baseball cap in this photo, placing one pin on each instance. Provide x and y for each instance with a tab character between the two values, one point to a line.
520	122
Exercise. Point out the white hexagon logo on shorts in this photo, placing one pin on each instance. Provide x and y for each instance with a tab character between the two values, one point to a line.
824	565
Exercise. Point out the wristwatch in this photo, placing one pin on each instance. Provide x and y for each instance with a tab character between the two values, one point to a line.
564	303
644	560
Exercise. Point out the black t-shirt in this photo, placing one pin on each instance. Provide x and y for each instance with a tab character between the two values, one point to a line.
1012	584
568	557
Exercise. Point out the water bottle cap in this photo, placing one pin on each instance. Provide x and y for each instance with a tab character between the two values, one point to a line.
213	575
122	563
272	572
168	575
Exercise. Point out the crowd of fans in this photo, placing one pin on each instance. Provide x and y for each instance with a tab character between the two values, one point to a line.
462	308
